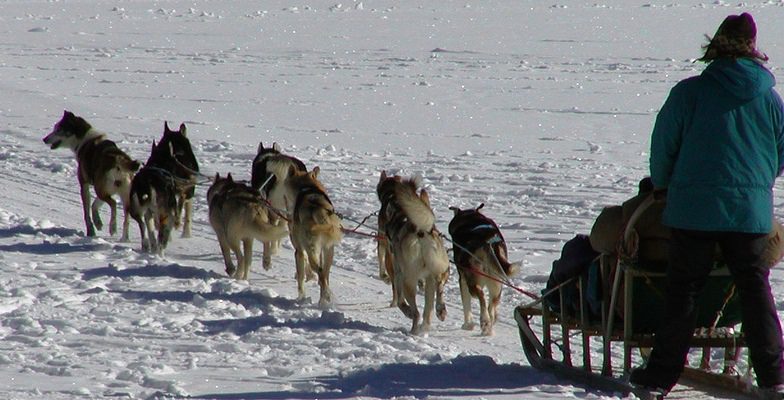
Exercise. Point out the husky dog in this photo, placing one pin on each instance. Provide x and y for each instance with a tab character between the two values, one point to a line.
479	252
269	173
315	230
237	215
101	164
416	246
184	172
386	269
154	197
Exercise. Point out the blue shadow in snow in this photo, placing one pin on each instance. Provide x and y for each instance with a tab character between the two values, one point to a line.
464	376
152	271
53	248
29	230
252	300
328	320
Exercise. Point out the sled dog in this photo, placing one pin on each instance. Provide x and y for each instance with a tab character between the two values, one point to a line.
154	198
269	173
479	253
185	172
100	164
238	216
416	246
315	231
386	269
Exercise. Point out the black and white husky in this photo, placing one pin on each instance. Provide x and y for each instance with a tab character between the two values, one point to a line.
154	198
481	260
185	172
101	164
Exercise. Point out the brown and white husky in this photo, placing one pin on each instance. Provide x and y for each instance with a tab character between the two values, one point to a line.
314	231
416	247
238	216
100	164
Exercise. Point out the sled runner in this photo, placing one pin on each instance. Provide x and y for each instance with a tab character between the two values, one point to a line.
617	306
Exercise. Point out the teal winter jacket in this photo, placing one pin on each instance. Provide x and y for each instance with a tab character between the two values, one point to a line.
717	147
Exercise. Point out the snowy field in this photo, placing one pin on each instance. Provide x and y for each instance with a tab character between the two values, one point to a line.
540	109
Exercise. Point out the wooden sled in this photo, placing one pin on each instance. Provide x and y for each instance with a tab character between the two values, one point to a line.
632	306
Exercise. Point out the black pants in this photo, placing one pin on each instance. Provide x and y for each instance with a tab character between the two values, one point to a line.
691	260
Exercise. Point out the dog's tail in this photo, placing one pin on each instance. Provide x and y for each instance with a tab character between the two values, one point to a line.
265	231
415	208
330	231
507	268
281	167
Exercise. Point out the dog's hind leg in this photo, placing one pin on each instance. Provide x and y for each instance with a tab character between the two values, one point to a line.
96	215
86	202
113	213
430	296
465	297
126	225
407	304
266	260
440	304
148	221
485	321
186	218
300	259
494	295
226	252
381	250
164	233
323	271
247	257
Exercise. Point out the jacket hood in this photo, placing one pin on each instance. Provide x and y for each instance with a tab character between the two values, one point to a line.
744	78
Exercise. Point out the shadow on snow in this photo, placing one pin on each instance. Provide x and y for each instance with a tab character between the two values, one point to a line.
151	271
464	376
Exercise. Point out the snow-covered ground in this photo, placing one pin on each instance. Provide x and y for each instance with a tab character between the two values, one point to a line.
540	109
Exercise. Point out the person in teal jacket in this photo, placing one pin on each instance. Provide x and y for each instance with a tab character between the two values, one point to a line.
716	149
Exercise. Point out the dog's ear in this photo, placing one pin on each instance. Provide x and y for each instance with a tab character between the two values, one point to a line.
217	176
166	127
260	148
230	179
383	175
455	209
315	172
183	130
153	146
480	206
276	146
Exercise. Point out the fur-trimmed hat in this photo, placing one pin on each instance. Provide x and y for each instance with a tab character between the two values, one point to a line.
735	38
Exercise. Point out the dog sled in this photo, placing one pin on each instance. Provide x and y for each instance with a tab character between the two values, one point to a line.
598	335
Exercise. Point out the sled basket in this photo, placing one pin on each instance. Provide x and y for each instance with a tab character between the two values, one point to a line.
632	306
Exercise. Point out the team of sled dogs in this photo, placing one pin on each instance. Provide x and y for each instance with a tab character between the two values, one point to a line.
284	198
